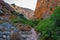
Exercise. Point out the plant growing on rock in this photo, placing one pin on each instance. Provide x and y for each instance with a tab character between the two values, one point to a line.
50	27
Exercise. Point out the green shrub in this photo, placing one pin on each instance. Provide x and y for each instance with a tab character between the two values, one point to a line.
50	27
23	20
33	22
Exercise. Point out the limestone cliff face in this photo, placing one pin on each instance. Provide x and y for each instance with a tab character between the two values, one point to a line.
28	13
45	7
6	11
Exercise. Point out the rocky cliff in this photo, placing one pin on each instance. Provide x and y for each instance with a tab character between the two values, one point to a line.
45	7
5	11
8	31
28	13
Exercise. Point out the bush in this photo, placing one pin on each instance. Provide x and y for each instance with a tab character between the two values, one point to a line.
25	21
33	22
21	16
21	19
50	27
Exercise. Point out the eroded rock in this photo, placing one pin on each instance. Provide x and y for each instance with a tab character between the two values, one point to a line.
23	32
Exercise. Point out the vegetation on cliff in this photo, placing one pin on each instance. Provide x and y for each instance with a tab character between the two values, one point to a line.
50	27
21	19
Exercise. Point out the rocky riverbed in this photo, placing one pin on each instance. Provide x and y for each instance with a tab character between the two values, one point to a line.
9	32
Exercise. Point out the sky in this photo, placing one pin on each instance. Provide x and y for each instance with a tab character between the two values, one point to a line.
31	4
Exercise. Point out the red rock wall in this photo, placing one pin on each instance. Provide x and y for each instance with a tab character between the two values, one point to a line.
45	7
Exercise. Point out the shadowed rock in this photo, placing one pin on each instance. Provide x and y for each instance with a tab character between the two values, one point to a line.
15	36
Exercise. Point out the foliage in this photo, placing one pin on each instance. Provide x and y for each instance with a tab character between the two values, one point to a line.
21	19
50	27
25	21
33	22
